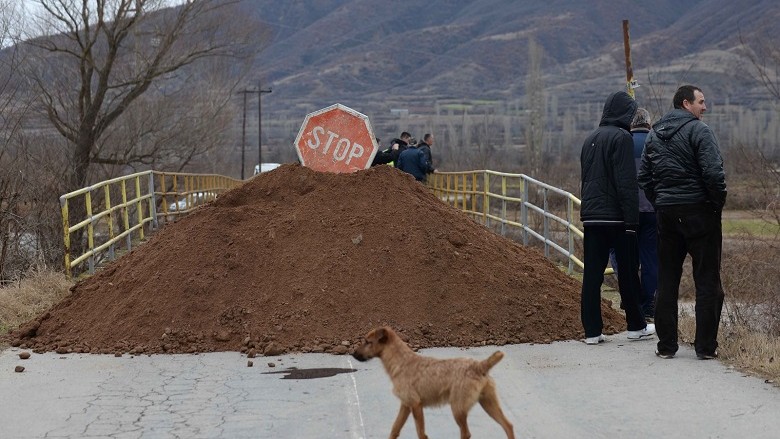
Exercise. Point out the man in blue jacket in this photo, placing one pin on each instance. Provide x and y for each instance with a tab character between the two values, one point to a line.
610	217
413	161
682	175
646	234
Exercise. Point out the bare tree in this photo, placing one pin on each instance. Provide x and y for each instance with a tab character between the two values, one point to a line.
126	85
13	107
28	214
105	59
764	58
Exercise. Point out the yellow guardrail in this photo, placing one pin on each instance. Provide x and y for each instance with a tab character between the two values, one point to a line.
516	205
116	211
105	222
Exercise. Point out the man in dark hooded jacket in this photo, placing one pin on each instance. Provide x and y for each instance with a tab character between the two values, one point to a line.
610	216
682	175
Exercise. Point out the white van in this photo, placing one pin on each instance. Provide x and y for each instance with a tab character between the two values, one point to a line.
265	167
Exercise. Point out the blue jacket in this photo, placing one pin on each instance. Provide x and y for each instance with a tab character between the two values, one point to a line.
640	135
413	161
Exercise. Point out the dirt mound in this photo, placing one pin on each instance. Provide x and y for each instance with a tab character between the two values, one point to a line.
297	260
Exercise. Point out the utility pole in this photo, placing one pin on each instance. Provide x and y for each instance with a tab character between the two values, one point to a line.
243	139
243	133
630	82
260	92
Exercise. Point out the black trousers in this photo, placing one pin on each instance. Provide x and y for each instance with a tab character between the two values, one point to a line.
694	230
598	240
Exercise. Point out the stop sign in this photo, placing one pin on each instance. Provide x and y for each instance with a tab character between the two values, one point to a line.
336	139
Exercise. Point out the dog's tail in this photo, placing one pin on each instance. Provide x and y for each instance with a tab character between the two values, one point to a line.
488	363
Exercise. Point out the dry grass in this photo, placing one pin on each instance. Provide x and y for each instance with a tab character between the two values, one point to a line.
746	349
36	292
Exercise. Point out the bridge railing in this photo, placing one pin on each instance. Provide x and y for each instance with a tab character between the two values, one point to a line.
519	207
114	214
100	220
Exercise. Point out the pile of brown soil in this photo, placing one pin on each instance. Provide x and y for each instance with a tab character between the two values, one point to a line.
302	261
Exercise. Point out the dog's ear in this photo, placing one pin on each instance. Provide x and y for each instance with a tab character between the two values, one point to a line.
381	335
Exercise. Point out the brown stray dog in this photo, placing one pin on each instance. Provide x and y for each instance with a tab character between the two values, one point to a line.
423	381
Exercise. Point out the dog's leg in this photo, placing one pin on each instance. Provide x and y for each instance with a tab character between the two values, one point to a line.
460	418
419	420
489	401
400	420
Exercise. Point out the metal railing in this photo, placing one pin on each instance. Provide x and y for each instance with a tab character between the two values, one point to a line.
513	205
114	212
517	206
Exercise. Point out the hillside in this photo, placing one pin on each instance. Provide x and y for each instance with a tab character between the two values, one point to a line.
330	50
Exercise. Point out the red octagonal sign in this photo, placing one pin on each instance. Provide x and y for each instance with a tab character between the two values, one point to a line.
336	139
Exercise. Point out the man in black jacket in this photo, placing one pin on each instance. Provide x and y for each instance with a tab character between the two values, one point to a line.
397	146
610	216
682	175
390	155
425	147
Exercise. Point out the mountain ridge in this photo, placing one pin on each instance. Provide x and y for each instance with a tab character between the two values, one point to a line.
328	50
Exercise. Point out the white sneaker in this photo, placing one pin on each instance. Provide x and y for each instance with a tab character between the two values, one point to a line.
596	340
647	332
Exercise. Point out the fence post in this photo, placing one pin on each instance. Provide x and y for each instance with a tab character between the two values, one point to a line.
90	232
107	195
569	213
66	234
472	194
152	201
546	226
139	206
126	217
524	210
503	205
486	200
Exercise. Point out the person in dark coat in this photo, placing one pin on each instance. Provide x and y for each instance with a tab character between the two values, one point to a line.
397	146
413	161
682	175
647	233
610	217
425	147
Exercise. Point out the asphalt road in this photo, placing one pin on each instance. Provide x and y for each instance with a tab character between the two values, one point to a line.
617	389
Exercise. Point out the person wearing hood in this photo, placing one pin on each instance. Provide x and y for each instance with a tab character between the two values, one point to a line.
681	173
610	217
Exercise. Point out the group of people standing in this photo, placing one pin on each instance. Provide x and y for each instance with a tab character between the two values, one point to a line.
409	156
651	194
654	194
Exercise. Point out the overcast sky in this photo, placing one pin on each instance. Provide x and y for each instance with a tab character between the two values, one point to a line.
30	8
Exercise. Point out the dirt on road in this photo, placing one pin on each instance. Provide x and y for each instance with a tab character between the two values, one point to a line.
302	261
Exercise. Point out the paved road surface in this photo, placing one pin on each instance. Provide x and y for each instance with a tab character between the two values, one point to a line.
618	389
